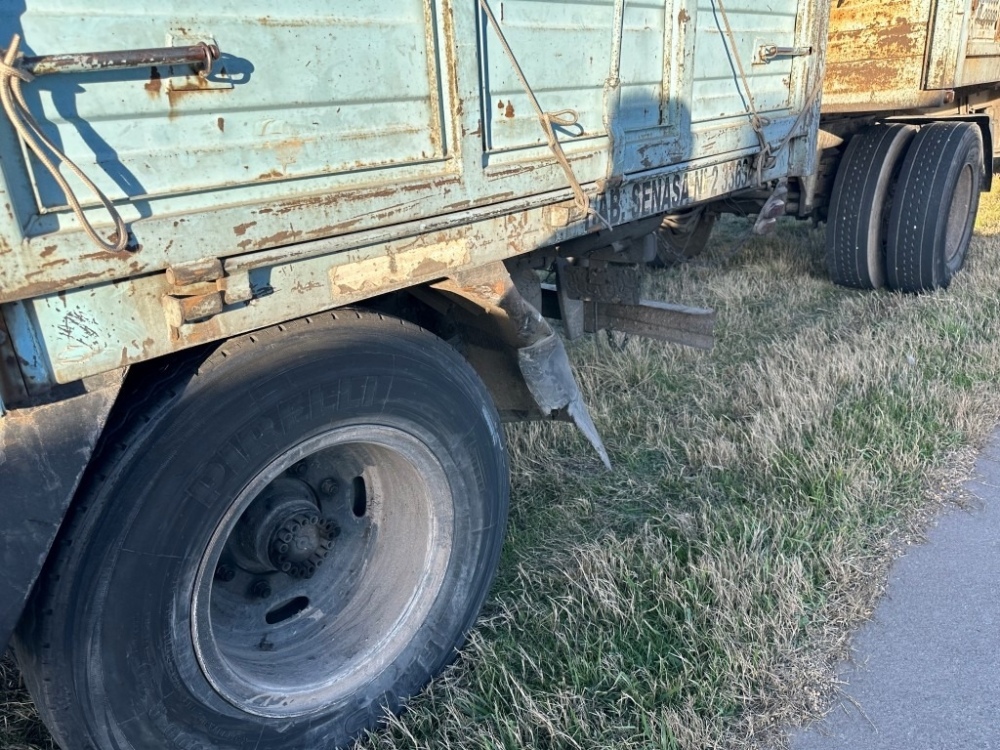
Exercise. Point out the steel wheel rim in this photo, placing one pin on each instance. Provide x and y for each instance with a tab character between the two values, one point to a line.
353	626
959	213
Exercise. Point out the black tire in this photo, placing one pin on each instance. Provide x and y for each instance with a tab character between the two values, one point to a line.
683	237
935	207
860	205
149	630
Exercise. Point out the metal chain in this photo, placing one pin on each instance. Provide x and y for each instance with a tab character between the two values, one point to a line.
27	127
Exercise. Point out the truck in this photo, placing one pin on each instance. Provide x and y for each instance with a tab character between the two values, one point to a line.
272	279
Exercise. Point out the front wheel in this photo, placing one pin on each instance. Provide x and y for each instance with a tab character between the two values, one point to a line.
275	549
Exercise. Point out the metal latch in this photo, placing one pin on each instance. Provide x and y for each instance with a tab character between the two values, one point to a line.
199	56
201	289
767	52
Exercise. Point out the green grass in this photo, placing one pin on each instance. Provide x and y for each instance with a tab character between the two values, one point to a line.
699	595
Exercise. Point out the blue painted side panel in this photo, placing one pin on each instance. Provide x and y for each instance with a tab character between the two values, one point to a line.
298	93
331	137
716	95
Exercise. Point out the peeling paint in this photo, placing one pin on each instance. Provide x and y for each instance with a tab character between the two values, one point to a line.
412	266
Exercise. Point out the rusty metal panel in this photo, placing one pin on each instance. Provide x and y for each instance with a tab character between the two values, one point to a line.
981	61
322	98
308	130
950	24
875	55
310	113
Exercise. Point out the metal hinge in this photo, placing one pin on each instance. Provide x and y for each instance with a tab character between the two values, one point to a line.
198	290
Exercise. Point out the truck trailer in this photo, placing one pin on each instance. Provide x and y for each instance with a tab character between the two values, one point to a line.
271	281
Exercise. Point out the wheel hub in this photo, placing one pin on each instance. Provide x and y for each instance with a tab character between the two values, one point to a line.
283	531
301	543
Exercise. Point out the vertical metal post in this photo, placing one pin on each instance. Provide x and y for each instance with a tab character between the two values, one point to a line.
613	96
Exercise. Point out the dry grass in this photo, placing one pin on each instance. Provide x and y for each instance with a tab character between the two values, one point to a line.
698	596
20	728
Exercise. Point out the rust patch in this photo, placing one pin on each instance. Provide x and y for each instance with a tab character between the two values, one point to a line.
500	105
287	152
58	262
241	229
683	17
286	236
875	49
509	111
176	93
155	83
38	289
274	174
431	267
221	124
48	250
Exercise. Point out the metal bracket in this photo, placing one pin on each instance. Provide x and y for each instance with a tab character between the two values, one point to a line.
678	324
688	326
603	282
773	208
498	307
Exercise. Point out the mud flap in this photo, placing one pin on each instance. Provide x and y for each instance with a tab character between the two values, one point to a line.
496	305
548	375
43	453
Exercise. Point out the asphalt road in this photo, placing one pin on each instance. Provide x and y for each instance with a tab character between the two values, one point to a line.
925	672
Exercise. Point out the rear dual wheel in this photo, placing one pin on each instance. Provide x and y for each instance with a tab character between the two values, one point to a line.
280	544
930	224
903	206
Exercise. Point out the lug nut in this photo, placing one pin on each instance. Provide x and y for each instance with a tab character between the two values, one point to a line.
224	573
260	589
328	486
300	469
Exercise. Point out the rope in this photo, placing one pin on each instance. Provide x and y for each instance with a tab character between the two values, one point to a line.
564	118
27	127
765	157
807	106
